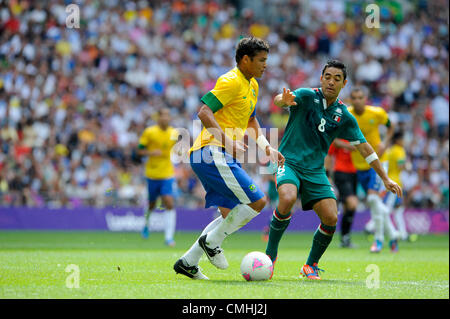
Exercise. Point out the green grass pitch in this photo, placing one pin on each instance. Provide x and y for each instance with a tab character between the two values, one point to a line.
36	265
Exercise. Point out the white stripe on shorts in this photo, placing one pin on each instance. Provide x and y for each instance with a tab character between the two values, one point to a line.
227	175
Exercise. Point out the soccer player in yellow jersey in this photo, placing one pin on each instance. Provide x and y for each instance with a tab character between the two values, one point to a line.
228	110
369	119
396	157
156	142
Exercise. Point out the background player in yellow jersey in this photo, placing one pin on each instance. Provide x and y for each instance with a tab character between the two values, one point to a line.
156	142
396	157
228	110
369	119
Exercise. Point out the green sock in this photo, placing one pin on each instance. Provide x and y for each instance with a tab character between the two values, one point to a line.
322	238
278	225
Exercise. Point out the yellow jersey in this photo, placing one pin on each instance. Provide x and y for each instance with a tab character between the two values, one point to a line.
154	138
233	100
369	123
396	157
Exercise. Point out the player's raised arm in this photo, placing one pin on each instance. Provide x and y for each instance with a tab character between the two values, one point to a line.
254	131
285	99
339	143
372	159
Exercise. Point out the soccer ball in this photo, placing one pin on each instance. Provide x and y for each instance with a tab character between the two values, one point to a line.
256	266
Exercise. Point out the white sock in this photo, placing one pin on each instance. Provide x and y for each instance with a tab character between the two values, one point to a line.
377	213
236	218
400	221
193	255
370	226
387	210
389	227
170	217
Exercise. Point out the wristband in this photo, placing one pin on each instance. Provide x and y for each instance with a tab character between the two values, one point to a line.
369	159
262	142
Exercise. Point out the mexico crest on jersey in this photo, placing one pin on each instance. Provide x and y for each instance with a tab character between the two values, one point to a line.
337	118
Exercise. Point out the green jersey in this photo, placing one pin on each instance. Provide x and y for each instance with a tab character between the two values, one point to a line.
311	128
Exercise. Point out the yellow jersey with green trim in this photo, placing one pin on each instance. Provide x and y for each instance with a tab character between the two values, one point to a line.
396	157
155	138
369	123
233	100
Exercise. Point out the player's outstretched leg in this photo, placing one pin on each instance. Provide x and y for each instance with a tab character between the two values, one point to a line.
278	225
326	209
188	263
281	218
236	218
193	272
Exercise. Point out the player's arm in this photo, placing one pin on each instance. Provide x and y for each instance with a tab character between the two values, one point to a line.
382	147
254	131
209	121
339	143
285	99
372	159
401	161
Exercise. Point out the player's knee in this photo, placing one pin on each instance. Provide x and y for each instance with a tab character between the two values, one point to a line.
351	203
288	197
330	219
151	205
169	204
259	204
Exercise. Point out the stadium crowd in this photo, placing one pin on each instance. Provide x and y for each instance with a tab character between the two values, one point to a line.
74	101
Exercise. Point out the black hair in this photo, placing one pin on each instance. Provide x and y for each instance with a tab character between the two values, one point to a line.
250	46
397	136
161	110
362	89
336	64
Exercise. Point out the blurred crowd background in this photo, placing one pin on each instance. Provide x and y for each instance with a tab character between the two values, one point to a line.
74	101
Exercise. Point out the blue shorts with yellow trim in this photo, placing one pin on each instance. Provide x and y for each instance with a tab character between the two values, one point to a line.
160	187
392	200
368	180
225	182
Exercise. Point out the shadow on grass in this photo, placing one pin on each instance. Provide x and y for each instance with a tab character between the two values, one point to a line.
239	282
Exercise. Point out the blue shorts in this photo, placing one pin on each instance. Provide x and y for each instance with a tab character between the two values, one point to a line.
369	180
160	187
225	182
392	200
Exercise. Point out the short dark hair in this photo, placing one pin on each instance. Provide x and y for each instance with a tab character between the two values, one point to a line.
250	46
162	110
397	136
362	89
336	64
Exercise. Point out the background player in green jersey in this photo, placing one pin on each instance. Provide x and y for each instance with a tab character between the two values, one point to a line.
316	118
